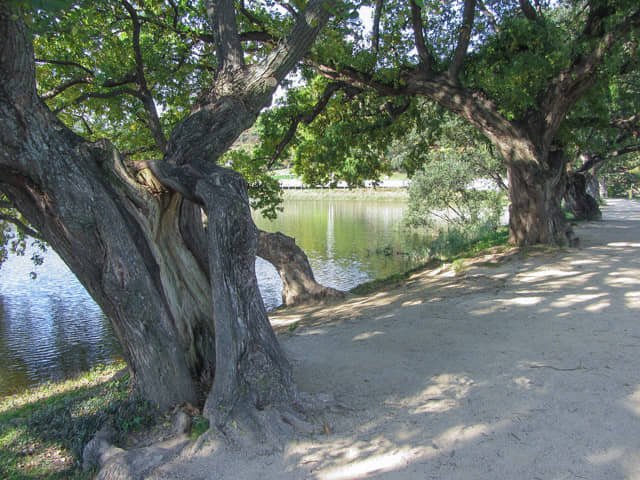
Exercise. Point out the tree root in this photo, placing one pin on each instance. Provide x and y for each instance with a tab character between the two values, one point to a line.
247	428
269	429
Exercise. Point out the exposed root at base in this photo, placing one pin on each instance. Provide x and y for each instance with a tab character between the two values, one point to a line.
271	428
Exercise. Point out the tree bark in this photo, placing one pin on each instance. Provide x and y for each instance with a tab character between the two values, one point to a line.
298	282
535	213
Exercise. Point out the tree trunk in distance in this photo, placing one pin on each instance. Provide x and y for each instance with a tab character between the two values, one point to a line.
535	213
298	282
580	203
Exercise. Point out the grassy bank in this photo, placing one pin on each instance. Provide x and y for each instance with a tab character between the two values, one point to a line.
453	247
378	194
44	429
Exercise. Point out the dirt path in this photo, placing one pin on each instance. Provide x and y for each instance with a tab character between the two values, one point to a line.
526	369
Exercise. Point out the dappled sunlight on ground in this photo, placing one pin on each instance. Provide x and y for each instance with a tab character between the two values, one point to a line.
632	402
373	464
632	299
525	366
444	392
367	335
576	299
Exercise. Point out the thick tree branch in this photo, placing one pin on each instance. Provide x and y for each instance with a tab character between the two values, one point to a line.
598	11
426	60
528	10
571	84
250	16
259	36
21	226
375	32
222	18
297	43
144	93
230	107
358	79
594	161
460	53
469	104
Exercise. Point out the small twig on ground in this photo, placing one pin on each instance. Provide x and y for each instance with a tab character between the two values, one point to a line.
579	367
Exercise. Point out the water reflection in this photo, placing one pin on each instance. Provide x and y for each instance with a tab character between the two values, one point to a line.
348	242
50	328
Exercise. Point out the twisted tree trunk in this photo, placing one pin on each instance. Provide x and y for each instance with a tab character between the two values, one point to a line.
181	296
298	282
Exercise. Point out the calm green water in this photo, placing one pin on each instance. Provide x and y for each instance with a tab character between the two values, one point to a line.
50	328
348	242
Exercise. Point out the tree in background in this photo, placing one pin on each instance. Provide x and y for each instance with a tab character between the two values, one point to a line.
456	180
158	233
603	137
513	71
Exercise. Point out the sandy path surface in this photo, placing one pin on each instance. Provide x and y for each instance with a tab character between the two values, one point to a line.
528	368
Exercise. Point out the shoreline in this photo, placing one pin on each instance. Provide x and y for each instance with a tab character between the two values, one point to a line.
379	194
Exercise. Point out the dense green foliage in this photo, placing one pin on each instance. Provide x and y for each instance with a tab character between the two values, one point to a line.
604	129
102	96
457	182
443	193
513	66
355	120
142	66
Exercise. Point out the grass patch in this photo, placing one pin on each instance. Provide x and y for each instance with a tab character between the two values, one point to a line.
451	247
199	426
294	326
490	239
376	285
44	430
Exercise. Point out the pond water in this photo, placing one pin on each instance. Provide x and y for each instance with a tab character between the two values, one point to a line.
348	242
50	328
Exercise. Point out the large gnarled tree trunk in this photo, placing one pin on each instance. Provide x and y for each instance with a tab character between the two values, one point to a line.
536	189
582	195
182	296
536	168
